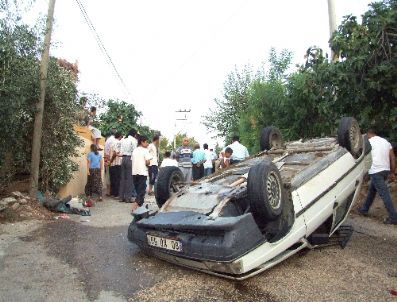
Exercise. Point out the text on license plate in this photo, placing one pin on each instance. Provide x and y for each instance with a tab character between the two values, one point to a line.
164	243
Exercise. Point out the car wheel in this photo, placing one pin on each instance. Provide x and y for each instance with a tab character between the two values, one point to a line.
271	138
167	183
265	192
349	136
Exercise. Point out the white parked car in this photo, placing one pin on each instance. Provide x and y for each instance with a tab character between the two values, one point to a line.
245	219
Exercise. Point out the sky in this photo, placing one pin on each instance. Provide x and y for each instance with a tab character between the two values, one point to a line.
176	54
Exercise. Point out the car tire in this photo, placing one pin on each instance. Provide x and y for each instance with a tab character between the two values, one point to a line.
265	192
349	136
165	185
271	138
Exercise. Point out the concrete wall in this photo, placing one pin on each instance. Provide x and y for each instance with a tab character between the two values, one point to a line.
77	184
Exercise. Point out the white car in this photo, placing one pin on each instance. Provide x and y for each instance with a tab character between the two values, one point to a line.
258	212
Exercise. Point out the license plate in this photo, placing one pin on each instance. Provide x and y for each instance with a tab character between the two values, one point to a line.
165	243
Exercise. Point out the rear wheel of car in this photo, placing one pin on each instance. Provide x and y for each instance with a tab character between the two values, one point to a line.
265	192
271	138
349	135
167	183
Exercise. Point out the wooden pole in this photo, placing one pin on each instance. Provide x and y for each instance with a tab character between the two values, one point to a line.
38	119
332	25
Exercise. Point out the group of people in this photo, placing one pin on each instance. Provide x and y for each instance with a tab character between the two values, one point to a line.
129	161
196	163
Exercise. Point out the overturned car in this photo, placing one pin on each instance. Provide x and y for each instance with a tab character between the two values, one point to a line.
258	212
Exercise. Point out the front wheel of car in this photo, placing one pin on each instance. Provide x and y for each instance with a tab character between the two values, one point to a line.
349	136
265	192
168	182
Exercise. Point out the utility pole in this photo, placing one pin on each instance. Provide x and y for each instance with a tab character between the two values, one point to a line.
38	119
180	119
332	24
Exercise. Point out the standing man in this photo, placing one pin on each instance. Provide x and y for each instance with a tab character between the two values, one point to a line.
115	165
184	158
109	141
127	190
383	166
208	160
154	162
240	152
141	160
198	160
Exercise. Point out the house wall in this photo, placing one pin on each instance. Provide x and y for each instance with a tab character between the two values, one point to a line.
77	184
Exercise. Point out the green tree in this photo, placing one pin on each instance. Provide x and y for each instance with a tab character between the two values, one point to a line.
120	115
366	77
19	89
123	117
223	120
310	101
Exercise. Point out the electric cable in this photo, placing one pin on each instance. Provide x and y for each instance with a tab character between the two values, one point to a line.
101	45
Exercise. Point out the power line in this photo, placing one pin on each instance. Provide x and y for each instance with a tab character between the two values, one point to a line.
101	45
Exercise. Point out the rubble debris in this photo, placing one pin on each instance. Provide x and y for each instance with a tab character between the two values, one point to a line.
19	206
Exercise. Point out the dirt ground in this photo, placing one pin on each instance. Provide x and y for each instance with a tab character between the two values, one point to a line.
90	259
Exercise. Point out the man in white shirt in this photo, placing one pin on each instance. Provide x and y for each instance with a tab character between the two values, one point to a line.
108	143
115	165
154	163
208	160
128	144
140	162
240	152
383	165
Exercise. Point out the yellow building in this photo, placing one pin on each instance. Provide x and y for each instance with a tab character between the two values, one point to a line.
77	184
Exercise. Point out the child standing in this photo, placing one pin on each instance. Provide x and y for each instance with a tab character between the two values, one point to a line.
94	172
140	162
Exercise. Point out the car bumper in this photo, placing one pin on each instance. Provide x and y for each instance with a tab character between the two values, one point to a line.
207	245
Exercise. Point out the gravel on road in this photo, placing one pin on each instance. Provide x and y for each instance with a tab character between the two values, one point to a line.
90	259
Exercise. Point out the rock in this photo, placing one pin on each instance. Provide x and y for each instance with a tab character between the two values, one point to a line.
15	206
23	201
7	200
17	194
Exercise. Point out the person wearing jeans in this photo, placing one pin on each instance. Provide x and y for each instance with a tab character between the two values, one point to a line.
383	166
154	163
140	162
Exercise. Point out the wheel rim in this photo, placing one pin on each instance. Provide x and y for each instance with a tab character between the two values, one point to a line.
354	136
173	184
275	141
273	190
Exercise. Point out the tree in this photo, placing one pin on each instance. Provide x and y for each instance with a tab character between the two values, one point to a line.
123	117
311	100
367	74
119	115
251	102
19	89
224	118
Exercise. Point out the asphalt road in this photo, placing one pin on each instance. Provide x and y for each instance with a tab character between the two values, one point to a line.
90	259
